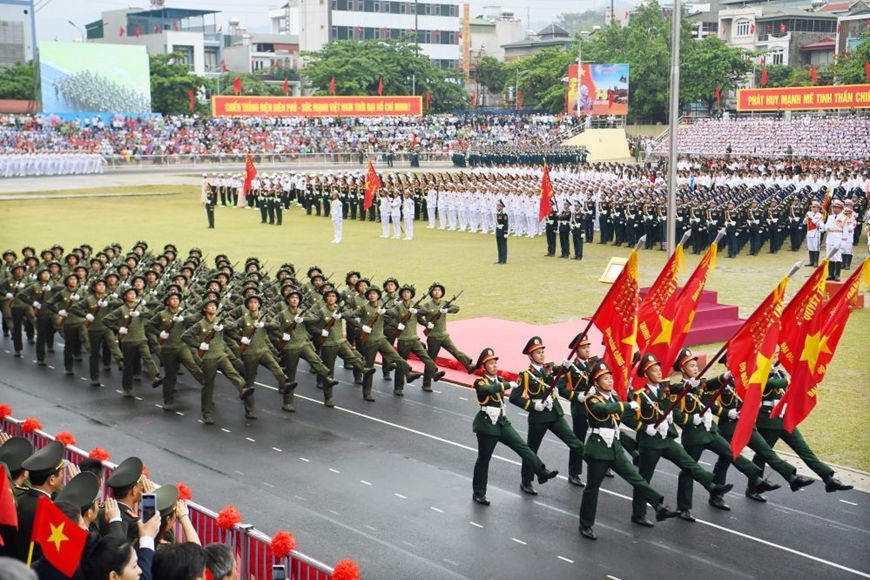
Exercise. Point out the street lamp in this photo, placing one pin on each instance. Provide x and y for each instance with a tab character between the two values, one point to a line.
81	32
517	87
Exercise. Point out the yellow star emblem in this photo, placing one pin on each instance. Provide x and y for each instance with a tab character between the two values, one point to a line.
664	336
812	349
762	369
57	537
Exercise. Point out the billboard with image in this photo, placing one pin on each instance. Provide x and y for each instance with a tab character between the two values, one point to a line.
598	89
80	77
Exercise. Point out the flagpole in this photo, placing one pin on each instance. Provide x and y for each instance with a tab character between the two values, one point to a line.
673	126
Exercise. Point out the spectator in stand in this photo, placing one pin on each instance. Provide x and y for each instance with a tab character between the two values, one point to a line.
113	557
219	560
179	562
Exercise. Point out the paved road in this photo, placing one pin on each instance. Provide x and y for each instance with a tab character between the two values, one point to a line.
388	484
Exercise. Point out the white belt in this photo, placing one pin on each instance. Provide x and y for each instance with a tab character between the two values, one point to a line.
770	404
607	434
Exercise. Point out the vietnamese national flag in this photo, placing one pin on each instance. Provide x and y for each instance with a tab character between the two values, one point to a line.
519	99
61	539
814	75
237	85
156	29
428	99
175	25
332	86
867	70
782	28
799	344
191	98
764	77
718	95
653	304
138	31
250	174
122	31
8	511
380	86
373	184
546	194
616	318
286	86
750	357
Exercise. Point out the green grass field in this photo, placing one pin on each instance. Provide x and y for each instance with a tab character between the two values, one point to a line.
530	287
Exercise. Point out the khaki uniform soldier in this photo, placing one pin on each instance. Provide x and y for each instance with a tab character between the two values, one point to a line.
603	451
167	328
207	335
492	427
128	321
255	347
433	315
36	297
297	345
545	413
94	310
404	313
69	320
15	311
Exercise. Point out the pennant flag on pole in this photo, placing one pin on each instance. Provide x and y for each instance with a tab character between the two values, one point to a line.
764	77
223	65
332	86
428	99
138	31
718	95
750	358
867	70
473	100
122	31
175	25
617	320
237	85
373	184
682	313
519	99
156	29
546	194
61	539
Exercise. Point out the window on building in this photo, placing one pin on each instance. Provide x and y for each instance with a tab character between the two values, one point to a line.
743	28
368	5
186	55
396	7
778	57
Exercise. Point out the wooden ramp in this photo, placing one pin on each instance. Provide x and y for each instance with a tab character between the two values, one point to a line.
602	144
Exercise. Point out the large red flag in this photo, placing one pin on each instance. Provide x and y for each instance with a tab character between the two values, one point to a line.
428	99
332	86
764	77
250	174
546	194
286	86
380	86
662	290
750	358
8	511
237	85
190	97
799	341
814	75
617	320
61	539
373	184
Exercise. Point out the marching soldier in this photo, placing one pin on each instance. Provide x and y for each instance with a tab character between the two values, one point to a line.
404	312
128	322
167	328
433	315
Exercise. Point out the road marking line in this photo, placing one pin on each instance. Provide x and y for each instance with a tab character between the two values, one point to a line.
476	525
433	390
400	496
333	512
451	562
251	440
569	561
463	398
239	472
276	449
299	497
51	367
158	406
267	484
848	502
435	509
334	470
225	430
408	544
369	527
612	577
179	413
364	482
522	543
305	460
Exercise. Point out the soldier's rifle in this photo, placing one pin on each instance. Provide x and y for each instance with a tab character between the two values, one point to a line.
437	316
331	322
373	320
406	317
129	319
210	336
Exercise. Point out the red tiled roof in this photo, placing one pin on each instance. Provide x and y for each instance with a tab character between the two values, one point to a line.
823	44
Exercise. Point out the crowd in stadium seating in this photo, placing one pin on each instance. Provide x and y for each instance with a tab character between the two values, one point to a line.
803	136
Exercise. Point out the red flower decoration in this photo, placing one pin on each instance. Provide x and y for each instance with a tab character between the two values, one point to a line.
282	544
30	425
345	570
99	453
228	517
66	438
5	411
183	491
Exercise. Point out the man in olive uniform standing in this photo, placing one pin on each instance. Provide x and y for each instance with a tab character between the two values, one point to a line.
545	414
492	427
501	232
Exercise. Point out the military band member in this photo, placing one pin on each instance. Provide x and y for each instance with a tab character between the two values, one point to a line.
492	427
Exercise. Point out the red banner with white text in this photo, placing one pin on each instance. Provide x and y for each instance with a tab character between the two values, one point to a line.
804	98
230	106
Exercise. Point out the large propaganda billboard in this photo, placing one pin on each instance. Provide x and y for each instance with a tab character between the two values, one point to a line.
598	89
804	98
89	77
222	106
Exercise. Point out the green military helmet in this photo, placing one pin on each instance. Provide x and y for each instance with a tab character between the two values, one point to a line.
437	285
409	288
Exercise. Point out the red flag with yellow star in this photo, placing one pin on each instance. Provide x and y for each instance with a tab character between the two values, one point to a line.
250	174
8	512
660	293
750	358
546	194
61	539
617	320
373	184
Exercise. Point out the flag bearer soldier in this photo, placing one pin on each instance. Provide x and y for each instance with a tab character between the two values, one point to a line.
551	227
545	414
492	427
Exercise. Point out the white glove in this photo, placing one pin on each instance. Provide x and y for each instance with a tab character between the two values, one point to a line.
566	363
727	375
63	313
336	315
298	319
697	419
412	310
102	303
164	335
324	333
693	383
733	414
218	327
499	227
382	311
512	384
670	418
89	317
430	326
123	330
246	340
75	297
134	313
203	346
442	310
10	296
400	326
20	285
633	404
540	406
260	324
46	288
367	329
285	337
178	318
549	404
651	431
37	304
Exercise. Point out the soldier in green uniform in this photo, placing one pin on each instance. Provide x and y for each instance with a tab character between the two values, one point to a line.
501	232
575	386
603	451
433	315
207	335
404	313
700	433
69	320
35	297
46	470
772	430
255	347
128	321
492	427
655	442
545	414
95	309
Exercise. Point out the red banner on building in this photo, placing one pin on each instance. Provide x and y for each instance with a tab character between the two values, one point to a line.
229	106
804	98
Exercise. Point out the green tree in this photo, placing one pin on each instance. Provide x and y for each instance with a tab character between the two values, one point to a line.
170	83
849	68
778	76
709	64
357	67
492	73
542	75
16	82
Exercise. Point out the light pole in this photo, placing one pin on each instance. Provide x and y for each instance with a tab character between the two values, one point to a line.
517	87
81	32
